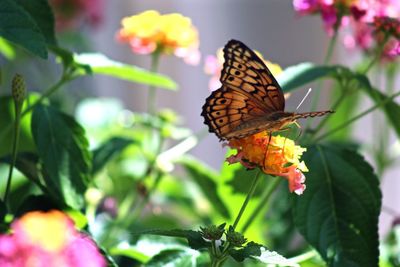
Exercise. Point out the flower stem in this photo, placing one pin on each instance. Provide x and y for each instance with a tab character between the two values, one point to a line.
334	107
327	59
151	98
65	78
264	199
145	200
219	261
362	114
17	123
248	197
377	56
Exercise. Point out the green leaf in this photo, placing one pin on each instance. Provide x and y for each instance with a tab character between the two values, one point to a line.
26	163
7	112
391	109
107	151
348	108
17	26
63	149
194	238
205	178
302	74
338	213
174	258
68	61
41	13
100	64
249	250
7	50
129	252
240	181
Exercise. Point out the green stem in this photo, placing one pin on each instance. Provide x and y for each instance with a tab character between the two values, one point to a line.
248	197
345	124
145	200
151	99
377	56
65	78
334	107
264	200
219	261
327	59
17	123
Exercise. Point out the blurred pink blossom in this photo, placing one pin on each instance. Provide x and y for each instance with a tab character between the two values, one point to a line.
359	17
71	14
42	239
212	66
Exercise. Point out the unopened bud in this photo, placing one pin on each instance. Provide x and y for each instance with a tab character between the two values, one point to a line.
235	238
213	232
18	88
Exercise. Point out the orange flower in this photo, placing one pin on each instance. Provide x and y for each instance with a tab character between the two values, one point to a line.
275	156
150	31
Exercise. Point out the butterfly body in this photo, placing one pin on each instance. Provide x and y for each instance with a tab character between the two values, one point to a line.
250	99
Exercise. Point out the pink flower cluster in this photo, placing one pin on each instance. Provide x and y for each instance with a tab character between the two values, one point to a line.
40	239
70	14
368	22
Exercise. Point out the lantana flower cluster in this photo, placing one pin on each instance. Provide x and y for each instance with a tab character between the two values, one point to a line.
368	23
275	155
150	32
70	14
213	66
47	239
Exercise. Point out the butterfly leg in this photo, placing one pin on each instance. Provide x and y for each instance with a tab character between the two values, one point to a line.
266	151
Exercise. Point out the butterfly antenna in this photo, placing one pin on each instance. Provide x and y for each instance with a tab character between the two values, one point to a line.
304	98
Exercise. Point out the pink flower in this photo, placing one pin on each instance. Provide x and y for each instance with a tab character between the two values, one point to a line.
329	17
42	239
360	37
392	49
365	21
71	14
296	180
306	6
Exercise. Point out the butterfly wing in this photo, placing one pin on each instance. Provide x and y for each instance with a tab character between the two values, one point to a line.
249	91
245	71
225	109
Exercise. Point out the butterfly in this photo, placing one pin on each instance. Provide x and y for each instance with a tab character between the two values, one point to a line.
250	99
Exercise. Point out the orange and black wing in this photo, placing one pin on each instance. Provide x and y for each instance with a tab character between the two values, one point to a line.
244	71
225	109
248	91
